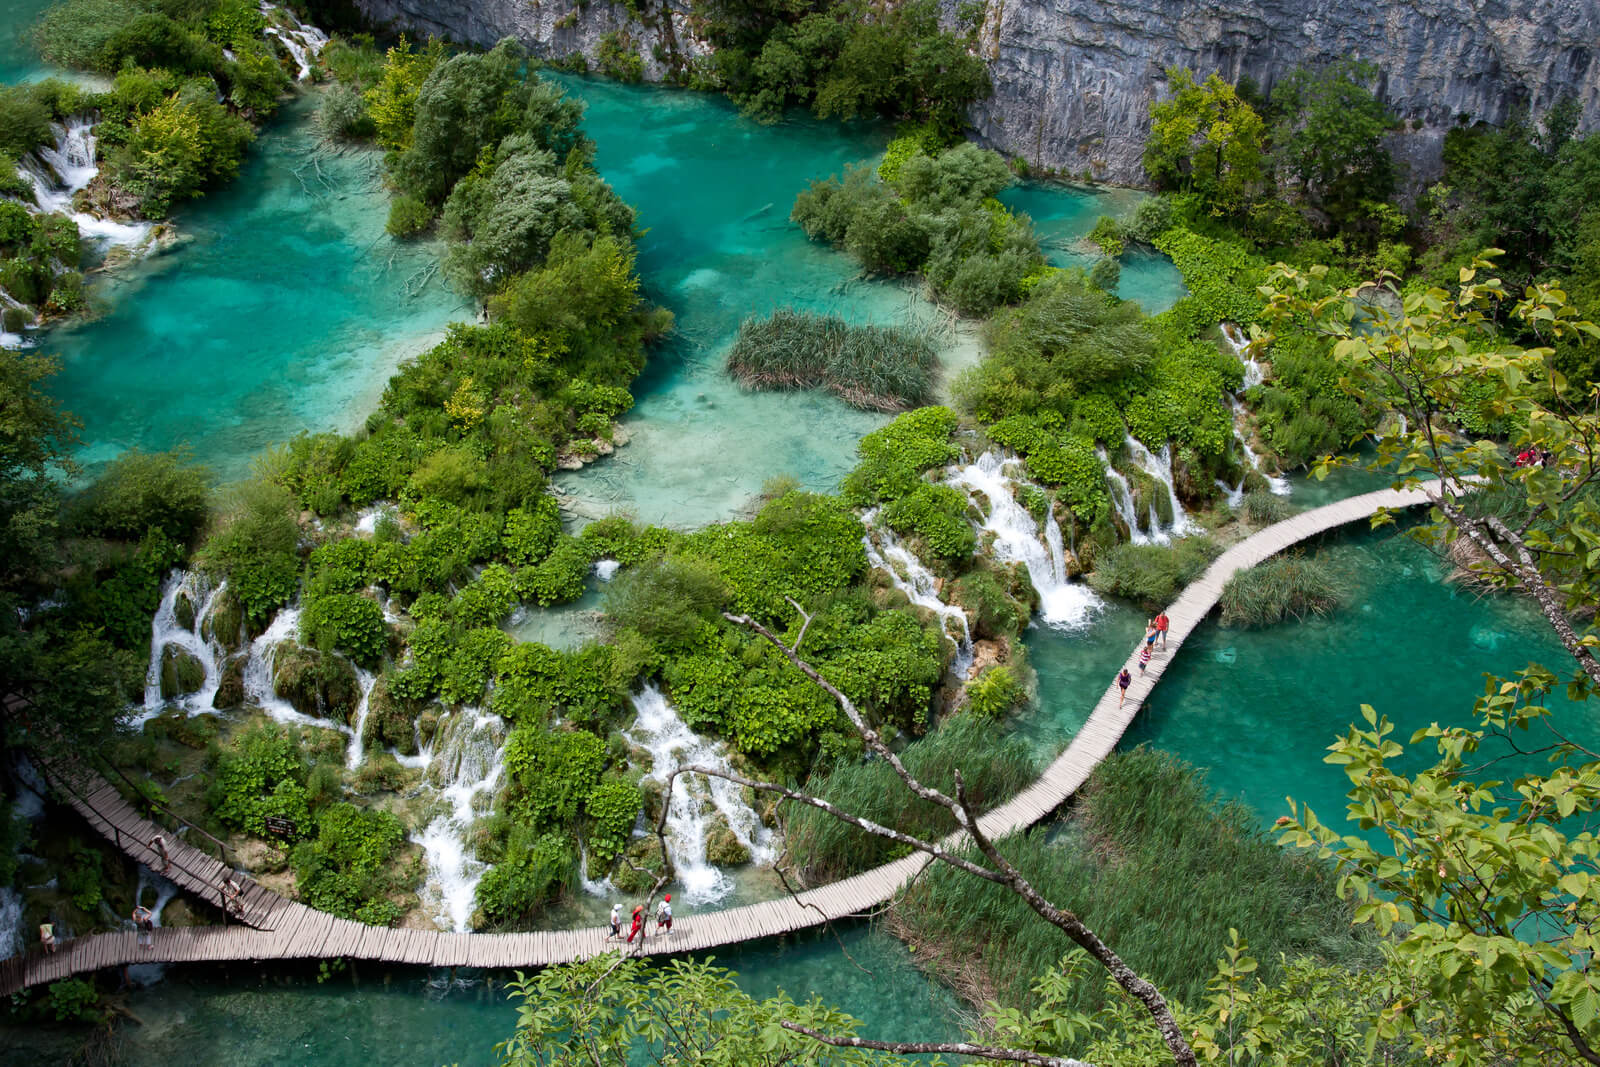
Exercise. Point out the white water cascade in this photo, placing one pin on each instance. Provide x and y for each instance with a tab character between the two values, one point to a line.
671	745
465	761
10	922
1159	466
303	42
59	172
1242	348
1122	501
1063	604
166	631
258	670
355	753
909	576
144	974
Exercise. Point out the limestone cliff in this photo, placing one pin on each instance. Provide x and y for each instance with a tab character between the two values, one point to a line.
1074	78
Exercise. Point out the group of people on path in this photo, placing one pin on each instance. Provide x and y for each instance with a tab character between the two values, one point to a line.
663	921
1155	628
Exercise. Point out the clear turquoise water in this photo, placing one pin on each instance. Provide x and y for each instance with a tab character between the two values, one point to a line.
1062	217
18	61
408	1018
283	308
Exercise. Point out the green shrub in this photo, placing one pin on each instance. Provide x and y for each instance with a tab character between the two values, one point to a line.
612	807
937	516
1107	235
140	491
666	600
408	216
533	872
73	1000
262	773
561	576
255	548
1263	508
1279	588
343	870
894	458
347	622
995	692
549	773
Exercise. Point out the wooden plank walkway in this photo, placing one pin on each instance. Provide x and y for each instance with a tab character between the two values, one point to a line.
286	930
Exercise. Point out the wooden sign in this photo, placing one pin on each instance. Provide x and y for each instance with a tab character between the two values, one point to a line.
277	824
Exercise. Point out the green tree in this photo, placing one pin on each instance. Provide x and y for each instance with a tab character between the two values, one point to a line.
1206	140
1330	137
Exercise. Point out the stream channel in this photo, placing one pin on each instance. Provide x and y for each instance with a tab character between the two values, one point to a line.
283	307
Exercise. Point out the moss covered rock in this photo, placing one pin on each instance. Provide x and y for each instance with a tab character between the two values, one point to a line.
183	609
391	721
230	683
226	623
182	673
638	867
723	848
315	683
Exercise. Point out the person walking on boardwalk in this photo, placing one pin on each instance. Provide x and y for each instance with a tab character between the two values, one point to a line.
1150	632
616	923
47	936
638	925
1124	680
158	845
1144	656
1162	623
144	921
664	915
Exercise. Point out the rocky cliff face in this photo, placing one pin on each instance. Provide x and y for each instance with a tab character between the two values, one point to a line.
554	29
1074	79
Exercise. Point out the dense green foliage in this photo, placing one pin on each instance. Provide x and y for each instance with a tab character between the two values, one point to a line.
938	216
993	765
1128	867
346	868
879	368
1152	575
843	59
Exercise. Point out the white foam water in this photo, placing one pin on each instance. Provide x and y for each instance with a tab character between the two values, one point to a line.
464	762
166	631
145	974
258	670
606	569
58	172
908	575
1122	502
671	744
1159	466
1245	350
304	43
354	752
1063	604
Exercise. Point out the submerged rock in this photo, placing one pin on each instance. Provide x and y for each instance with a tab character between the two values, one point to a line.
182	673
315	683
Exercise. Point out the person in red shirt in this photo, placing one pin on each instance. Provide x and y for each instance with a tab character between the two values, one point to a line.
638	925
1162	622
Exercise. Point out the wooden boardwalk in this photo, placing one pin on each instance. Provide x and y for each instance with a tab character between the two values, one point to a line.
276	928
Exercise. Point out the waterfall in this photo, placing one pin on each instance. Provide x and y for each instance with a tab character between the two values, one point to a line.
1242	348
1063	604
1159	467
167	632
1122	501
465	762
58	173
671	745
144	974
354	754
303	42
603	888
258	668
10	922
909	576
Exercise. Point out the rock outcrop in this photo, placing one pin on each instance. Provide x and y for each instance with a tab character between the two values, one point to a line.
1074	79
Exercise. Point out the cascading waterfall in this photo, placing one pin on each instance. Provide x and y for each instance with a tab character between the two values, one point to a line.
258	669
671	745
909	576
1241	347
10	922
1159	466
1122	501
1063	604
303	42
144	974
167	632
59	172
464	762
355	753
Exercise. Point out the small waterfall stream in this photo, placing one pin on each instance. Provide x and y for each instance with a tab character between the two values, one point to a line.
1063	604
303	42
909	576
144	974
1122	502
167	632
695	799
355	753
59	172
1159	466
465	763
1241	346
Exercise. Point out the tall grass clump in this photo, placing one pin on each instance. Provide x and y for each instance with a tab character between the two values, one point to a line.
1153	862
1261	507
1279	588
992	765
877	368
1152	575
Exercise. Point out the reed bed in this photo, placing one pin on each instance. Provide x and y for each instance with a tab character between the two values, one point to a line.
1157	867
993	765
1294	586
876	368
